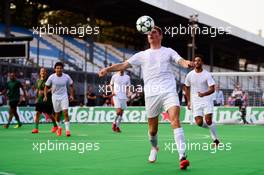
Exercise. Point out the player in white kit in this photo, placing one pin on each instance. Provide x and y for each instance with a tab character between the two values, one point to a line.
120	83
59	82
160	89
201	85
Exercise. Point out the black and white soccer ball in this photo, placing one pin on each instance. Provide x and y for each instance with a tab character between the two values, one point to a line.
145	24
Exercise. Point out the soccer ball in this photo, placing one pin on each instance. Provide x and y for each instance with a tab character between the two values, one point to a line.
145	24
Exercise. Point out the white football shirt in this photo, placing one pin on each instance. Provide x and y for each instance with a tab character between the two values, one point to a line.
156	65
59	85
120	85
238	94
199	82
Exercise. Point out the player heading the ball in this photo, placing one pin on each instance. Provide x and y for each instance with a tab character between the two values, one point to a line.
160	89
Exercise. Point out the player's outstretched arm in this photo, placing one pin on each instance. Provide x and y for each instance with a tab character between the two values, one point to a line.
186	63
114	68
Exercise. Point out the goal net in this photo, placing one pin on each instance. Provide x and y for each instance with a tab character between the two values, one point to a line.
251	83
251	87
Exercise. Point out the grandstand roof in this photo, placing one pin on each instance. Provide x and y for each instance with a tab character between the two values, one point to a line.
185	11
239	44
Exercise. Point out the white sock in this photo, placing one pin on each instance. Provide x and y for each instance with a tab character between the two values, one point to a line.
118	121
212	128
114	122
191	120
59	123
153	140
67	126
180	141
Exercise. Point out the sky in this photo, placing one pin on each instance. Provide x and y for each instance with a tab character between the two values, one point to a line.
245	14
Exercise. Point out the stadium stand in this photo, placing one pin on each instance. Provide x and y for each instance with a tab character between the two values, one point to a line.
51	50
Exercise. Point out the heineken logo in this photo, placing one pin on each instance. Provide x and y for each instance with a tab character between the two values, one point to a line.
136	115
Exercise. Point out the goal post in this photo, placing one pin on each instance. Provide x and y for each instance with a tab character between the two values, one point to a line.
250	82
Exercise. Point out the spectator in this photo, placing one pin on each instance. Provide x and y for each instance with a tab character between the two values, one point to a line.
23	99
243	108
32	96
131	95
91	97
73	102
107	96
137	99
218	97
245	98
263	99
230	101
107	102
241	100
237	94
81	104
182	96
2	99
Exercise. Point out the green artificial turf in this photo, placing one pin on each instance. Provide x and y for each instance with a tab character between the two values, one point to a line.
110	153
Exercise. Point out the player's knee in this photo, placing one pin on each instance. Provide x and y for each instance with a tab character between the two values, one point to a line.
65	112
175	123
153	132
119	112
199	122
208	121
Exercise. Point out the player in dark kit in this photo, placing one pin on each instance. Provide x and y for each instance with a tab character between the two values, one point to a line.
241	102
42	107
13	93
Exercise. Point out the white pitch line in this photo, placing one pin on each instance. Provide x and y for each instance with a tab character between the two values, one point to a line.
6	173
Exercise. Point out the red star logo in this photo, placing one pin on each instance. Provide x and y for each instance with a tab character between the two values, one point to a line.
165	116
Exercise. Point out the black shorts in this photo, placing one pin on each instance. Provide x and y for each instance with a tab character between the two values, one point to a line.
238	102
44	108
13	104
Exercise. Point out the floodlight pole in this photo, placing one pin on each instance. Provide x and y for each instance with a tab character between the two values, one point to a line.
194	24
85	75
38	50
63	50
